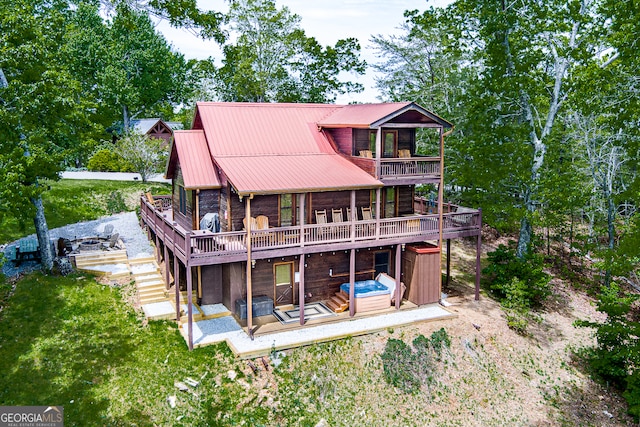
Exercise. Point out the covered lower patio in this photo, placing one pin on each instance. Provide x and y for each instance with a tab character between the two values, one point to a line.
273	336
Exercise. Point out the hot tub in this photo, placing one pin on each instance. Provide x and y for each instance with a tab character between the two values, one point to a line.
366	288
369	295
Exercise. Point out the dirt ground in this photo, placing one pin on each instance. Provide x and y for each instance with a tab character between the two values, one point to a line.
534	380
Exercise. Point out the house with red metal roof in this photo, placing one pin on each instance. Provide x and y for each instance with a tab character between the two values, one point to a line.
293	214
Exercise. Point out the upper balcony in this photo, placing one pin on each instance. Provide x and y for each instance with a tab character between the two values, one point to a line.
202	247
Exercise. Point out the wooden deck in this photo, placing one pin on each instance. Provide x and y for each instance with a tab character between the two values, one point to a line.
203	247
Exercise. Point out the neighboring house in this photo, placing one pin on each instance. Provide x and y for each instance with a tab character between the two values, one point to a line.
155	128
282	204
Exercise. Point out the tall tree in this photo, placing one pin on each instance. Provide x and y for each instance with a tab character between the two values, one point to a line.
272	60
41	111
125	63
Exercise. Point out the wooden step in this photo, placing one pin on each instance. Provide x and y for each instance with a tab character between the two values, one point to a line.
142	260
148	277
158	284
338	303
152	299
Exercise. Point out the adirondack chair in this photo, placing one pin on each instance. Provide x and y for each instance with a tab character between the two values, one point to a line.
336	215
366	214
107	232
156	203
366	153
262	222
254	223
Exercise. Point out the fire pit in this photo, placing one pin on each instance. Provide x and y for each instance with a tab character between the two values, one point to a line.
90	245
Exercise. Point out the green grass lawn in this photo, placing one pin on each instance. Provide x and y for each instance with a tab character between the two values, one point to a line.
73	342
70	201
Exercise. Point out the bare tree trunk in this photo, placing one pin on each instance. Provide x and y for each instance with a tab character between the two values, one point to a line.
126	121
42	231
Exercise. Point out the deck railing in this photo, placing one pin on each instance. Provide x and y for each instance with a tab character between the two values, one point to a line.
408	167
204	243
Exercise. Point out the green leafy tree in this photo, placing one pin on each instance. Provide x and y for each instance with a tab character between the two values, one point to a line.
272	60
144	155
41	110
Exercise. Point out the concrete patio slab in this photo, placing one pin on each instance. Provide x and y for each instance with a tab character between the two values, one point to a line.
226	329
159	310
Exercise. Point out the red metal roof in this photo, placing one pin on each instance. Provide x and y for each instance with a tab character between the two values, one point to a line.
374	115
361	115
195	161
294	174
255	129
275	148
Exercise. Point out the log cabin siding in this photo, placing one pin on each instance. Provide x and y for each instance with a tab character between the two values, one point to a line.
343	139
184	220
405	199
319	285
406	139
209	201
360	141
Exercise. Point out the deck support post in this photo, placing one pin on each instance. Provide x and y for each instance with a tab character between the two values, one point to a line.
478	250
398	274
167	267
247	214
440	208
378	204
301	288
301	217
448	261
176	283
353	216
352	280
189	295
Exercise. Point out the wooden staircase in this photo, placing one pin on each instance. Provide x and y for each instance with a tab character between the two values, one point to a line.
338	303
149	282
111	264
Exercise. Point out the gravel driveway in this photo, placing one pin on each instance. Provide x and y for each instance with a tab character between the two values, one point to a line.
126	224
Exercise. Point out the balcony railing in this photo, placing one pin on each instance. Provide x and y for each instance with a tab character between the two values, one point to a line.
409	167
205	244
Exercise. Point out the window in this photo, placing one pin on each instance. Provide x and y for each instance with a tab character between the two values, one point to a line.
372	142
182	198
390	141
390	202
381	262
286	210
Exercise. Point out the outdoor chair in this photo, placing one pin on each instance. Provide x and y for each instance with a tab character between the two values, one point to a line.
336	215
107	232
321	218
262	222
156	203
366	214
366	153
254	223
405	154
113	241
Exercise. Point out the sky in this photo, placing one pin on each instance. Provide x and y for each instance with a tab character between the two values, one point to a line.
327	21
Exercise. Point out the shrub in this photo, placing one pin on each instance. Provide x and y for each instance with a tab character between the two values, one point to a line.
116	203
616	356
531	286
106	160
410	368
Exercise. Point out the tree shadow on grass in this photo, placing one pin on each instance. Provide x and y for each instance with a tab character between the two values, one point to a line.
59	339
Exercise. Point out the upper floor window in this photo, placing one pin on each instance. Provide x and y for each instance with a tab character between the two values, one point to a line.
390	140
184	199
389	143
286	210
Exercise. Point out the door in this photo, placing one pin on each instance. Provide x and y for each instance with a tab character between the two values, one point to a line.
381	262
283	283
